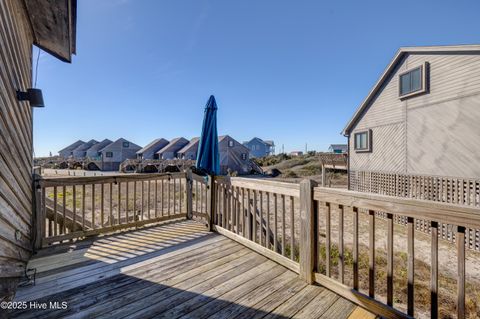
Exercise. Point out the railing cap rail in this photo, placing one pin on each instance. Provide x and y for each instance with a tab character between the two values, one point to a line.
50	181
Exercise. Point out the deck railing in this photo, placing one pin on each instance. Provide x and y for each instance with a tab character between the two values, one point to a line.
455	190
73	207
294	225
330	236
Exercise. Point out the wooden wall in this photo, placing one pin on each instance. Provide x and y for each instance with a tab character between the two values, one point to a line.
16	147
435	133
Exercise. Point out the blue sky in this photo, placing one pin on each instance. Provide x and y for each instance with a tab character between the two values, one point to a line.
291	71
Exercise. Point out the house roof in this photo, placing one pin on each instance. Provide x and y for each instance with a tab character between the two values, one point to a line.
118	142
174	145
342	147
155	145
85	146
269	142
72	146
99	146
391	67
191	145
54	26
222	137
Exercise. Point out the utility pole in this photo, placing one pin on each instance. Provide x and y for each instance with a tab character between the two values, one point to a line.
283	148
305	148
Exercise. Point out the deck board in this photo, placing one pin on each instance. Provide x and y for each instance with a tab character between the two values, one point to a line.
176	270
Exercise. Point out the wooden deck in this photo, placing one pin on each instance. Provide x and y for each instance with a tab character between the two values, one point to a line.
171	271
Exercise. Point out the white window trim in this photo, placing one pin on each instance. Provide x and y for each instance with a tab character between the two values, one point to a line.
423	69
369	141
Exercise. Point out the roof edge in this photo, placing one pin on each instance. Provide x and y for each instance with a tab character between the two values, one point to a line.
401	51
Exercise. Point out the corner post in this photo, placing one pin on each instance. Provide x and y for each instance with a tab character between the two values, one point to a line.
210	201
308	230
38	212
189	194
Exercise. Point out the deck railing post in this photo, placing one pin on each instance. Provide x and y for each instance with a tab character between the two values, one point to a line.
210	201
38	212
308	230
189	190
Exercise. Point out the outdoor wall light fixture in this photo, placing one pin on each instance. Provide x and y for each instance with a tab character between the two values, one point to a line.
34	96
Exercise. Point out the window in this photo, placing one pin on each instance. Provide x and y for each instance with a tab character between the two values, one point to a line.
412	82
244	156
362	141
108	154
230	143
126	144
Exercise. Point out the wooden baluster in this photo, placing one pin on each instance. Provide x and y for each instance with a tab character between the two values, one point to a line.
55	221
135	201
410	265
148	198
239	210
341	255
283	225
254	216
390	259
102	204
224	210
220	198
244	228
174	196
127	202
64	203
83	207
111	204
156	197
262	234
371	272
249	216
142	198
196	197
434	271
93	206
355	248
275	223
292	228
119	201
229	207
268	221
168	196
162	197
180	197
234	211
44	214
327	239
461	272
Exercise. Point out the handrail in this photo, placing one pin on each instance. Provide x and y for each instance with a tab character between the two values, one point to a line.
281	188
50	181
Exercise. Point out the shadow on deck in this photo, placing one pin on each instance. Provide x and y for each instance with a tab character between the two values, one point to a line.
174	270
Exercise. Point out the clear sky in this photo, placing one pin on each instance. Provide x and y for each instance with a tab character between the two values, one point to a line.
290	71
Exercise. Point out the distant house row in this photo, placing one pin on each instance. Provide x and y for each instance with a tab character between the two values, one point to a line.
109	155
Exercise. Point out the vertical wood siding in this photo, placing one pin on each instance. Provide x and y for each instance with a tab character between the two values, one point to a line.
440	128
15	140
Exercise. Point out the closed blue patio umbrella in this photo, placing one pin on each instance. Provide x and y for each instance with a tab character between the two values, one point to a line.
208	158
